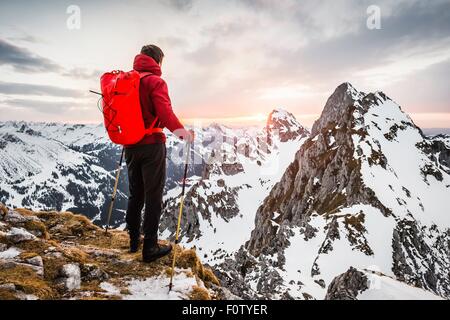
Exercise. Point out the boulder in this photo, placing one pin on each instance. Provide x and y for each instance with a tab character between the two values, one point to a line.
90	272
348	285
36	261
70	276
16	235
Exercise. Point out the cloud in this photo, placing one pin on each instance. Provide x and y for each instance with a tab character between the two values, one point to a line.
209	55
46	107
409	29
82	73
250	56
181	5
35	89
26	38
427	91
23	60
232	27
171	42
246	56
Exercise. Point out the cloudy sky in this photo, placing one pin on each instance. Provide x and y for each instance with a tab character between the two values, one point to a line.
227	61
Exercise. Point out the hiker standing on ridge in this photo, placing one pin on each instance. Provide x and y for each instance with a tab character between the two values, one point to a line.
146	160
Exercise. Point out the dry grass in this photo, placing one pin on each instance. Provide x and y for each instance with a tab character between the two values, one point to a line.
189	259
35	246
198	293
37	226
52	267
75	255
114	239
91	286
27	255
25	212
26	280
3	209
65	224
3	239
6	294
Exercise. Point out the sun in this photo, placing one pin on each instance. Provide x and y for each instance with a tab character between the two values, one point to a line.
260	117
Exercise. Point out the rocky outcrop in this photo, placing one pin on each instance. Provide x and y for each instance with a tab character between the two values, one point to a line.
438	149
71	258
347	286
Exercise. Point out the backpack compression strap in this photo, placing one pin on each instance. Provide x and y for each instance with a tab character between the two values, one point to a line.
150	130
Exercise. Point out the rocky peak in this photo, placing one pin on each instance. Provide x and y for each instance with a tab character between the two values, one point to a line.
337	105
286	125
280	118
324	175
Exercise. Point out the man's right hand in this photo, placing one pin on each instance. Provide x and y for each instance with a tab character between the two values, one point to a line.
187	135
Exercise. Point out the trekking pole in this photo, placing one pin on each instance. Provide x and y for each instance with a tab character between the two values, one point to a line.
113	197
179	214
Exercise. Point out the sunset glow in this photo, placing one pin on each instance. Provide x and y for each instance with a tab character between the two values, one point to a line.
224	68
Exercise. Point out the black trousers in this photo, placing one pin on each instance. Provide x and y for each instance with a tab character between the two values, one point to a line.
146	175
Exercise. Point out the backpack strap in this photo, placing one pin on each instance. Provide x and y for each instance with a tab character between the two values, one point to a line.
150	130
144	74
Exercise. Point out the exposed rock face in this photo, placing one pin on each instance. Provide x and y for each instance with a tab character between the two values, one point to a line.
222	201
420	255
347	285
438	149
324	175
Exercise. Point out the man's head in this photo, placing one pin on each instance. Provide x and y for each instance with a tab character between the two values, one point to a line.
153	52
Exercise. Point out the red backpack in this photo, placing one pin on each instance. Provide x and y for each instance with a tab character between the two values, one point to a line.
122	111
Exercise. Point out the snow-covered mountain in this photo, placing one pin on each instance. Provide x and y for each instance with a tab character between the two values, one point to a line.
239	172
367	191
57	166
51	166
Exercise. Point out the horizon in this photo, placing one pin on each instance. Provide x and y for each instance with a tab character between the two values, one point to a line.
237	61
204	124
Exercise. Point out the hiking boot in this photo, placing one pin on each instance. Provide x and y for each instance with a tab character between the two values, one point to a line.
151	253
135	241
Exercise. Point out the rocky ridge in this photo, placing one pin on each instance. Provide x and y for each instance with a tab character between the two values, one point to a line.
61	255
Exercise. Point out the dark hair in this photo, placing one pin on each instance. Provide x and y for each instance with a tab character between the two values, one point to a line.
153	52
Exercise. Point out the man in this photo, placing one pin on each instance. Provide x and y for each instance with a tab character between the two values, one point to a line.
146	160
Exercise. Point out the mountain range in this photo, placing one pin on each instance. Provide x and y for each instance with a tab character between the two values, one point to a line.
353	209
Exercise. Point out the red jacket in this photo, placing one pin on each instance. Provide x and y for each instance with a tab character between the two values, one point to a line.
154	98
